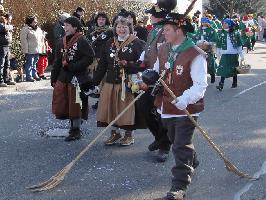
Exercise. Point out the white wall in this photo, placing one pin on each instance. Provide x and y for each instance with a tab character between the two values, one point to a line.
182	5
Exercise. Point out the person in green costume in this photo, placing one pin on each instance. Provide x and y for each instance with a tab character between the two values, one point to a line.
229	48
254	28
245	33
218	23
205	38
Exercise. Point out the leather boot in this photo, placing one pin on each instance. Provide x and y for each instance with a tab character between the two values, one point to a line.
74	134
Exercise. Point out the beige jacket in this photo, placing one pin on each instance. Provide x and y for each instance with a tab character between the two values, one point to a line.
32	41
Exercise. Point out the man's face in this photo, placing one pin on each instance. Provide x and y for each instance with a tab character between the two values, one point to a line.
34	23
122	30
69	29
170	33
101	21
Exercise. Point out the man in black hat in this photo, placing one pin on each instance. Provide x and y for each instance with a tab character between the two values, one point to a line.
79	13
69	77
186	75
152	117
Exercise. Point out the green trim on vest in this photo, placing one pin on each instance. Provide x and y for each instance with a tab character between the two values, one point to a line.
222	39
186	44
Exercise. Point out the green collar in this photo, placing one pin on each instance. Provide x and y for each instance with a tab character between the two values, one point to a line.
186	44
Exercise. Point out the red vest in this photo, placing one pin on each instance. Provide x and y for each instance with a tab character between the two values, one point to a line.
180	80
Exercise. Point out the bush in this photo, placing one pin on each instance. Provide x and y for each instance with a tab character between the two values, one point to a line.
47	12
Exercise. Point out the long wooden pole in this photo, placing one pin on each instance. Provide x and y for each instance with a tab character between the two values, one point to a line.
229	166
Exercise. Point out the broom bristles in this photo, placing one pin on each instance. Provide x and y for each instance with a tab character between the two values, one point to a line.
52	182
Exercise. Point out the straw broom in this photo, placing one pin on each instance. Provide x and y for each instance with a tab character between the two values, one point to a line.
59	177
229	166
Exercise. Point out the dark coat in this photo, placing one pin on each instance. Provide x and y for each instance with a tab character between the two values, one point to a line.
106	63
98	41
82	54
5	35
142	33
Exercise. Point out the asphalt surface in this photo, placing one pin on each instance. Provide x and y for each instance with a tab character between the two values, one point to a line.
234	118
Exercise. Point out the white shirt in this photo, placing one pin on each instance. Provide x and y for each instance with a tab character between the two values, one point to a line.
192	95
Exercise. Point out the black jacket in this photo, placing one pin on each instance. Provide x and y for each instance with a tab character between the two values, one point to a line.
98	41
106	64
82	57
142	33
5	35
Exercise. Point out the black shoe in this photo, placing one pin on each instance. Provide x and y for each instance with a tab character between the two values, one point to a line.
43	77
37	78
220	86
74	134
212	79
95	106
162	155
30	80
153	146
11	83
234	85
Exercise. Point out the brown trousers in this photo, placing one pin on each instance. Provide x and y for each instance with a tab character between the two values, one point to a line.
63	104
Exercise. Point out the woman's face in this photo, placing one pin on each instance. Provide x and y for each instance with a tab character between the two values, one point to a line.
204	24
101	21
129	17
225	26
122	30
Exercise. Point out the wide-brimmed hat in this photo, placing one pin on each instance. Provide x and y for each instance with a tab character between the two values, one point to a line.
179	20
162	8
156	11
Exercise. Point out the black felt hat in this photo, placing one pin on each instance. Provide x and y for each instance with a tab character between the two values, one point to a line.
156	11
179	20
162	8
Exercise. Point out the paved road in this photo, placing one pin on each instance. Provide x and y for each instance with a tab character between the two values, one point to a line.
235	119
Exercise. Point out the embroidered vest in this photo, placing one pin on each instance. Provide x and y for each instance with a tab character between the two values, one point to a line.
181	81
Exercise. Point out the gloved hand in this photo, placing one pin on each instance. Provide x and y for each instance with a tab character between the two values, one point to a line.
179	103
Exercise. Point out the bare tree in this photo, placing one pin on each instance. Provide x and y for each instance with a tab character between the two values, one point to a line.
229	7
